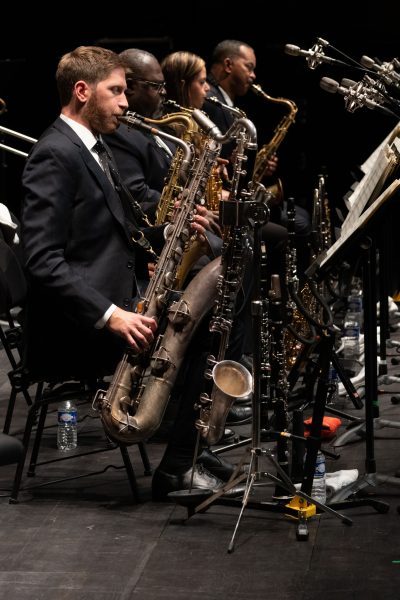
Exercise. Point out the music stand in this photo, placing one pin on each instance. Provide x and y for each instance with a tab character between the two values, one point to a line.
362	238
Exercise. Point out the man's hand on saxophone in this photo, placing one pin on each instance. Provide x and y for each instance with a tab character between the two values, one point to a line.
134	328
271	166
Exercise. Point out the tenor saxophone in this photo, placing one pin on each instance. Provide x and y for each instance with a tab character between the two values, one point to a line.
132	407
269	149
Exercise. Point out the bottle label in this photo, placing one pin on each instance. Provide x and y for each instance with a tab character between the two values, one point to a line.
320	467
352	331
68	417
354	304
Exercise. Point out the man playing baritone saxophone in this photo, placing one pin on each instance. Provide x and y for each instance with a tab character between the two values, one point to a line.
80	258
143	161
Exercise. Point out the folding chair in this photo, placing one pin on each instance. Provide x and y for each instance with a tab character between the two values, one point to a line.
13	289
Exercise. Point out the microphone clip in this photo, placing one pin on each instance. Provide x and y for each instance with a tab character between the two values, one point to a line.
317	55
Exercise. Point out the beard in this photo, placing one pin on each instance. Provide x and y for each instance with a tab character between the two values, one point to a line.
99	119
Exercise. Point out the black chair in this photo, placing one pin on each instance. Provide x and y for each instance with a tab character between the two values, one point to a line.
47	394
13	294
13	291
11	449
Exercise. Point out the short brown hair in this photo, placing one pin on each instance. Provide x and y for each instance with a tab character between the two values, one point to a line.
89	63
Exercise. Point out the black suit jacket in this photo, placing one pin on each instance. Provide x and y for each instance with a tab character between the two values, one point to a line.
79	257
142	163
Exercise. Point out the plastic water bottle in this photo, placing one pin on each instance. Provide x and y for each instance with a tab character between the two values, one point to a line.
353	321
67	433
333	385
318	490
351	335
354	299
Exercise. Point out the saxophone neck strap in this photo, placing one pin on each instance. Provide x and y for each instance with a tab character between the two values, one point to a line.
132	209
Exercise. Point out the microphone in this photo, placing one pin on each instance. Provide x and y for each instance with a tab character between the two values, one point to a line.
315	55
385	70
355	95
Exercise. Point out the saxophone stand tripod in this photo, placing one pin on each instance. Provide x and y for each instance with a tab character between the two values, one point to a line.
305	505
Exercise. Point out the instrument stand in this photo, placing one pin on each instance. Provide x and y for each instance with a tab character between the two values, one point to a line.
302	505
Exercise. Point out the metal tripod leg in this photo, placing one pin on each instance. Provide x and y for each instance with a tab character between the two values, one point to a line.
285	482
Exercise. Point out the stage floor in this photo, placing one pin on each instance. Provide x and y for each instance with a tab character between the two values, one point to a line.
86	538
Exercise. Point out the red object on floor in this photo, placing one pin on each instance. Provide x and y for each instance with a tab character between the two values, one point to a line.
329	427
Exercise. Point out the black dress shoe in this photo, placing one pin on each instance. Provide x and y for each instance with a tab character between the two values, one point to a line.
165	483
239	415
227	437
245	400
215	464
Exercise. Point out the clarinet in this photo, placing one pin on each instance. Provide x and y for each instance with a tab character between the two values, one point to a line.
265	347
278	384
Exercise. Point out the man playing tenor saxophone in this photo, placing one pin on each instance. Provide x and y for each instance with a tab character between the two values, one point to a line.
232	75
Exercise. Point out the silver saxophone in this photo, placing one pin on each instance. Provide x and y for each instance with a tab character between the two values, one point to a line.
229	379
132	408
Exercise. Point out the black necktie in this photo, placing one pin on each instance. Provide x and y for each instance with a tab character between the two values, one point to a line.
105	160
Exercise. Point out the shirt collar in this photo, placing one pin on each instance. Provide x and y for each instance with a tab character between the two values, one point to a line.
81	131
227	99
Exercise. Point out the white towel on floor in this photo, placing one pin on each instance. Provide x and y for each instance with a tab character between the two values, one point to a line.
6	219
338	480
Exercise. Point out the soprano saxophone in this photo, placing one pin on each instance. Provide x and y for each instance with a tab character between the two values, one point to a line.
132	408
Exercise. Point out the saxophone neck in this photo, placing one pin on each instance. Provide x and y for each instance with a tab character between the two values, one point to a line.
257	89
132	119
232	109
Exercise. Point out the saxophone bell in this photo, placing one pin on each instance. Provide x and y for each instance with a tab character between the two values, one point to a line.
231	380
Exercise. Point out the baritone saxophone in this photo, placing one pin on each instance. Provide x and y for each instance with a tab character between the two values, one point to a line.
132	408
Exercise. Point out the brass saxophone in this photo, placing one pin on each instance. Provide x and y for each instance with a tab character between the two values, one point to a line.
192	135
301	332
269	149
133	406
174	181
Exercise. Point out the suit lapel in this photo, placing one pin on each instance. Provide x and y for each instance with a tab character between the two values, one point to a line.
111	196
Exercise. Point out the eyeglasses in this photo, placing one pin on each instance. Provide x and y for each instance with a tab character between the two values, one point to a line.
158	86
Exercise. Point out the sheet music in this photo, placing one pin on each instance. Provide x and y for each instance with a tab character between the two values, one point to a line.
361	220
369	187
369	163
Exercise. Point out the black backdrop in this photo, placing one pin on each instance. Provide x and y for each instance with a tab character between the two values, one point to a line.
325	136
